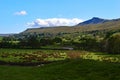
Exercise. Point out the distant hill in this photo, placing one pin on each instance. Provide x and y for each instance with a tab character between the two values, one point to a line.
94	20
94	24
4	35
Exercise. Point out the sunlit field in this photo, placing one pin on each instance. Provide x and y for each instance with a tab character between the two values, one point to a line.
36	55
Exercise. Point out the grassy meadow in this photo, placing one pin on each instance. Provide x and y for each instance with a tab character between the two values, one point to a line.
76	69
66	65
37	55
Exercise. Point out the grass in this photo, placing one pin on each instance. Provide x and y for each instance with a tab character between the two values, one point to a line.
101	56
75	69
70	65
1	38
36	55
30	55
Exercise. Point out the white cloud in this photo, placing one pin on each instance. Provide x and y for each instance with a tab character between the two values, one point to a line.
54	22
21	13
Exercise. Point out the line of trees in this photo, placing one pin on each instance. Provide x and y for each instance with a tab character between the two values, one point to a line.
31	41
109	44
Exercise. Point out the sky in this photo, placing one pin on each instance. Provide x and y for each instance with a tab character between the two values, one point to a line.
18	15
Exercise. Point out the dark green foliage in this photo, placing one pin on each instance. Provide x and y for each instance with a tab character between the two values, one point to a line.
57	40
113	44
5	44
88	43
108	34
22	43
9	38
29	42
46	41
33	42
64	70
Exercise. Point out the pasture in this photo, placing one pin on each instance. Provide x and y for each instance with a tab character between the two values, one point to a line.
75	69
64	65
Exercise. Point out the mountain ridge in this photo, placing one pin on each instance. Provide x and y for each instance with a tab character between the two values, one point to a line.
94	20
101	24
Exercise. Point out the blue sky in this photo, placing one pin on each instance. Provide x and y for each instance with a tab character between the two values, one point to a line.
18	15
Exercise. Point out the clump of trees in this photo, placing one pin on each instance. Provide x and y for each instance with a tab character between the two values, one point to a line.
109	43
87	43
113	44
7	42
35	42
31	41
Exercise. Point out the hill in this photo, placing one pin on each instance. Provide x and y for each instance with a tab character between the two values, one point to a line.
5	35
94	24
94	20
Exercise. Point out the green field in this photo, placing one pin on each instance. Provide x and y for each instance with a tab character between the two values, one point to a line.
30	55
37	55
66	65
76	69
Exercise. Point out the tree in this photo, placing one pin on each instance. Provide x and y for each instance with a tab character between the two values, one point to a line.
46	41
113	44
57	40
33	42
87	43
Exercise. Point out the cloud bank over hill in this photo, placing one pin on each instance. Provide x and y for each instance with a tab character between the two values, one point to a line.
54	22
